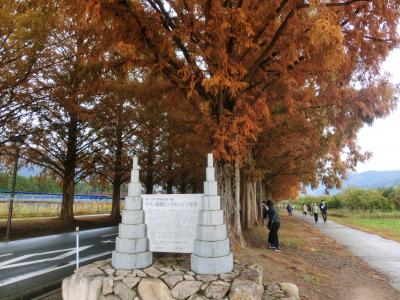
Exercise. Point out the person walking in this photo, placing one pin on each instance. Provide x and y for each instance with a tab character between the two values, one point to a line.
265	213
324	210
289	209
305	209
315	210
274	223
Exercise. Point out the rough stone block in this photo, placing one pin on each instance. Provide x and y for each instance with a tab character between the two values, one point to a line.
210	188
131	245
131	260
132	216
134	189
135	176
81	287
151	289
211	249
211	265
210	174
211	217
246	289
132	231
133	202
211	233
210	203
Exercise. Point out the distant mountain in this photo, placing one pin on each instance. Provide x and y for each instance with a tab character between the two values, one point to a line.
364	180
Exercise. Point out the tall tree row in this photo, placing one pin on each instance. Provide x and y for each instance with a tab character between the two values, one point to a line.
260	66
277	90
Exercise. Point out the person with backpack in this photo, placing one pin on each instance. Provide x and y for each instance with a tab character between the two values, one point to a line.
324	210
274	222
289	209
315	210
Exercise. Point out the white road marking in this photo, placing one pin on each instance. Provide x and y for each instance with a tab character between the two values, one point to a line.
9	263
109	235
47	270
108	241
8	254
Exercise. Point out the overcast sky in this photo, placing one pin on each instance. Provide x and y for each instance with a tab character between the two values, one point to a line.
383	137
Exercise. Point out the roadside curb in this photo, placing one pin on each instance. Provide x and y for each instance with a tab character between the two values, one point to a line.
38	292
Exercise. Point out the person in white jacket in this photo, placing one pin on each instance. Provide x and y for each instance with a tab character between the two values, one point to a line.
315	210
305	209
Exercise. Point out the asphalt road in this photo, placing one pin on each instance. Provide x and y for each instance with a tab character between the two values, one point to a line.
381	254
30	266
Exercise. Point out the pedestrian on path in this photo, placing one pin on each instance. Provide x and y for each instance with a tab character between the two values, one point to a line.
315	211
324	210
289	209
305	209
274	223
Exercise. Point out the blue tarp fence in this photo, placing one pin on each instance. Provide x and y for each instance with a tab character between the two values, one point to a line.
50	197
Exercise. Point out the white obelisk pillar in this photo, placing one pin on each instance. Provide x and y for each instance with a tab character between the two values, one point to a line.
131	251
211	253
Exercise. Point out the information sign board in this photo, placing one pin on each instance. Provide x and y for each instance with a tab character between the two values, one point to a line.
171	221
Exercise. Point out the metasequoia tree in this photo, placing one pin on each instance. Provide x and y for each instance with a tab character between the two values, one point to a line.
184	147
151	132
23	36
169	148
62	138
237	58
116	123
303	148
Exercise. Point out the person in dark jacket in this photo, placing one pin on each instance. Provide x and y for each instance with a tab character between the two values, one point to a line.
324	210
289	208
274	223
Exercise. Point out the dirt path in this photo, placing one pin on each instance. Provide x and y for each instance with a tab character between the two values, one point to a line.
320	267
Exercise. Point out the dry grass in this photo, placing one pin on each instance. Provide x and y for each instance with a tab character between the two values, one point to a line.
23	209
386	227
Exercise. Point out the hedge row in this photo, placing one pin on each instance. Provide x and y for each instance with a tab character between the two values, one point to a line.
385	199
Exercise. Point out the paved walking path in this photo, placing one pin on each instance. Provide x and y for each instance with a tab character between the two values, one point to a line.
380	253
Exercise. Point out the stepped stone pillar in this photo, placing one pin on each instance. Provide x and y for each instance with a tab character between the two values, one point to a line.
211	254
131	251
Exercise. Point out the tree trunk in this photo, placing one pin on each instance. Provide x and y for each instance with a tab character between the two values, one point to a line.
228	178
250	200
149	179
183	184
260	198
117	180
170	185
116	202
67	205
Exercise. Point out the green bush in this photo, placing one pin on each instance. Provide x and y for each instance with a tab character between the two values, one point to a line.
393	194
384	200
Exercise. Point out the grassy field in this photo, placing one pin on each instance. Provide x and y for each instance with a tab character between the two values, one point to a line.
385	224
51	209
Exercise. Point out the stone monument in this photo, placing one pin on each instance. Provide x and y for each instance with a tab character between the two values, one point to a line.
131	251
211	253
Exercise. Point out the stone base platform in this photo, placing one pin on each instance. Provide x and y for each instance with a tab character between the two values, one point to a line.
168	278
